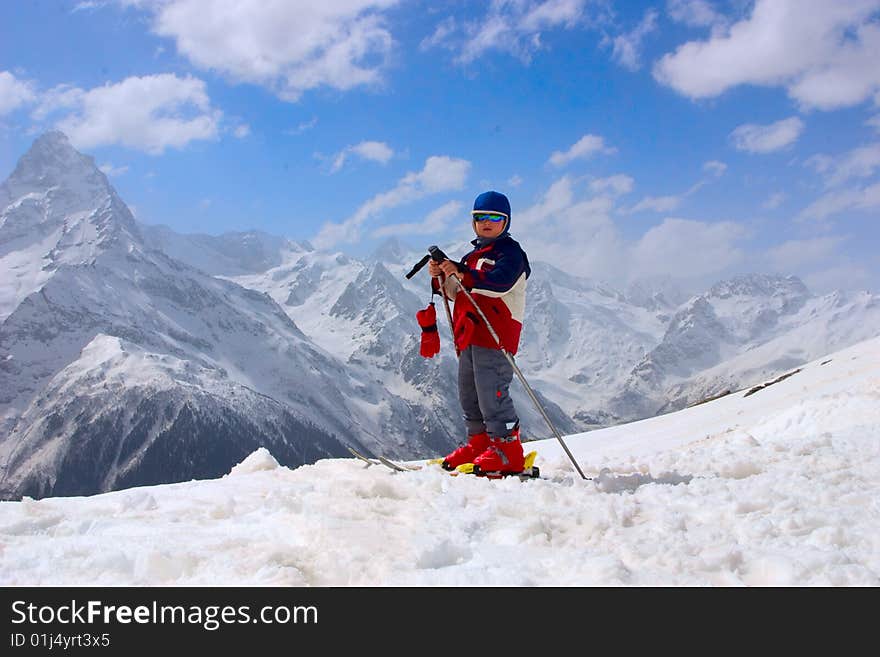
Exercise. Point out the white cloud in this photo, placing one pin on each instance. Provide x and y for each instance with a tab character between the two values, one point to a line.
617	185
715	168
696	13
515	180
821	163
585	147
440	173
513	27
241	131
838	201
821	262
375	151
562	227
559	228
551	13
493	33
688	248
712	170
436	222
850	76
558	197
774	201
767	138
88	5
874	122
302	127
289	47
442	33
861	162
149	113
61	98
795	255
657	204
14	93
824	53
627	48
841	276
113	171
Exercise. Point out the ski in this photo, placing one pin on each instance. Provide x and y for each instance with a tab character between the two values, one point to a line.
363	458
396	466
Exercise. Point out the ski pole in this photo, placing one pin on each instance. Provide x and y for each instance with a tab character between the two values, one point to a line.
448	312
522	378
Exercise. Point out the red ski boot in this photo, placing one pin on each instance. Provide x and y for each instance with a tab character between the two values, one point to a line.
476	445
503	456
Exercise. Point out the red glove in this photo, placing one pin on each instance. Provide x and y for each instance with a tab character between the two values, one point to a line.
427	319
464	330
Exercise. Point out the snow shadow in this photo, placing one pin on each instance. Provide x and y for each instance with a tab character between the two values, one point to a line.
610	482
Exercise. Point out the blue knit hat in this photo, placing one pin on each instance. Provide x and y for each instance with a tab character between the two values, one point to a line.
493	202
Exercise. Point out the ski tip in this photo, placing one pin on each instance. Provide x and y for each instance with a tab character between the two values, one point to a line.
363	458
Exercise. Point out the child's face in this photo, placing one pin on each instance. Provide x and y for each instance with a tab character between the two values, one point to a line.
489	229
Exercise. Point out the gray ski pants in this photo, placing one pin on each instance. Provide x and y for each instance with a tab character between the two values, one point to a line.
484	377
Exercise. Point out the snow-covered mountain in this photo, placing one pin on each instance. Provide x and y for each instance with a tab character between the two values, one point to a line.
739	332
232	254
581	339
595	355
129	353
777	488
120	365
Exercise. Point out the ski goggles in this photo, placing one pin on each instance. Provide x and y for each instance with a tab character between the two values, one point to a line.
494	217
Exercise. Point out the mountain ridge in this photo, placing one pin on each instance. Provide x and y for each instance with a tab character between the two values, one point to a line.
330	341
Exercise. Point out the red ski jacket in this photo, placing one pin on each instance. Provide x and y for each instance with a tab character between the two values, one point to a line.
495	274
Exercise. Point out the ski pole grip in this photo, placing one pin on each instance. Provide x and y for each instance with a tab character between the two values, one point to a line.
421	263
436	254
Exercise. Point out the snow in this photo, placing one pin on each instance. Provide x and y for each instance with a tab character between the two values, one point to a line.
780	488
24	270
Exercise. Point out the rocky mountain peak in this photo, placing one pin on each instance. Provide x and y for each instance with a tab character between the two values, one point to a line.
760	285
391	251
55	187
52	162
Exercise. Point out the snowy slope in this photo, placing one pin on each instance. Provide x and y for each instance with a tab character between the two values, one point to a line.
777	487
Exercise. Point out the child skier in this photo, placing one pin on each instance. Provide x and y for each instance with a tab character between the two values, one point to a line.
495	274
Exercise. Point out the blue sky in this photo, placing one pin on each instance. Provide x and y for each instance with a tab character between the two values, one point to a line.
694	139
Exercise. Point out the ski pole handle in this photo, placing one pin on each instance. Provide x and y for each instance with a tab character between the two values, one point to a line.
436	254
418	266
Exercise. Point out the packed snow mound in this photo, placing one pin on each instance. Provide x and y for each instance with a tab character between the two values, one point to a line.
259	460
